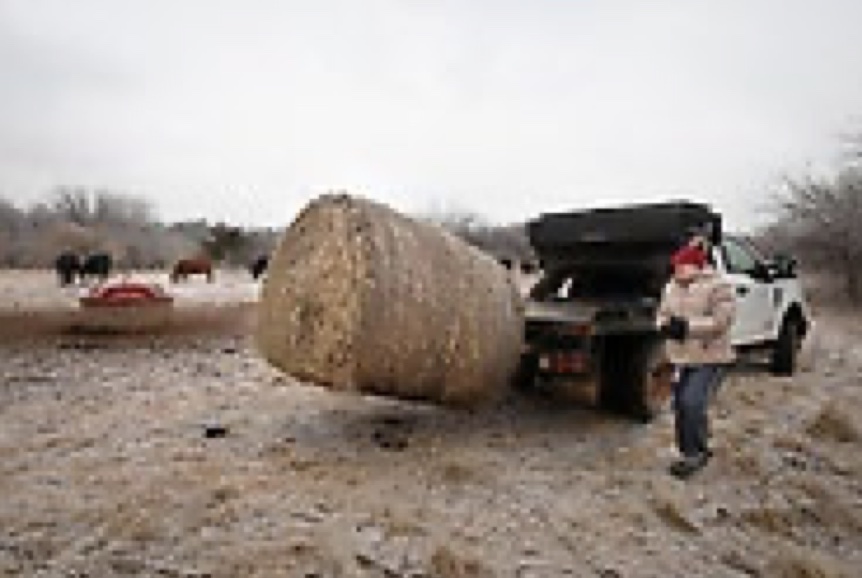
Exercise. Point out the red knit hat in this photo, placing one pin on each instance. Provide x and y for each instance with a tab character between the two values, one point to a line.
689	256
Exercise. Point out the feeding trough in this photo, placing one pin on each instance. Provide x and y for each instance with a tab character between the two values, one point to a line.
124	306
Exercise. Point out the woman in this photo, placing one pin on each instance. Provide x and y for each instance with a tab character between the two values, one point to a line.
695	316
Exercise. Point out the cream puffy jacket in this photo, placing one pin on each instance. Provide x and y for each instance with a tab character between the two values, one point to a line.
709	305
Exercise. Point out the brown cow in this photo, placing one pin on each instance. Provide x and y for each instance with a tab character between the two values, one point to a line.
196	266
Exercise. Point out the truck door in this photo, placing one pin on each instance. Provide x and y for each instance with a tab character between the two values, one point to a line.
753	299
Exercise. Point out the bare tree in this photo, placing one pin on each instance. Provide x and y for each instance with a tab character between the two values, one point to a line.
853	147
86	207
508	242
115	209
12	220
72	204
820	217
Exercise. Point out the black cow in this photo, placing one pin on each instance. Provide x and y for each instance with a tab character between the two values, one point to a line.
97	265
259	267
68	266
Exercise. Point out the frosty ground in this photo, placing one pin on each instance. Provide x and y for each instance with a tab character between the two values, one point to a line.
107	469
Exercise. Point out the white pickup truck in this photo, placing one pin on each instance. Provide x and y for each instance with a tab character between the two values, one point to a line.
591	316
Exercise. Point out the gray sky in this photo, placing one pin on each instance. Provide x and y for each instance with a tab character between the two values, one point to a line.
244	110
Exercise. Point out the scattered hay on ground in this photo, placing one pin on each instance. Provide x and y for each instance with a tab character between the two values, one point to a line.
799	562
834	424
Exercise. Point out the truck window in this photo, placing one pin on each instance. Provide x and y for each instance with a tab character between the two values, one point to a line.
549	285
737	258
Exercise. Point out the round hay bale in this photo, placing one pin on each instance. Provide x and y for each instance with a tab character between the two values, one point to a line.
359	297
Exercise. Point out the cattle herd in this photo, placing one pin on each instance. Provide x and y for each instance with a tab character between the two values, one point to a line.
72	268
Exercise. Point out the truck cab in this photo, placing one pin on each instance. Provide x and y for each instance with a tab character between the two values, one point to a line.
771	310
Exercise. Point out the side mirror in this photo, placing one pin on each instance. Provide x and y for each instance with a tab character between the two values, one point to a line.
785	265
764	271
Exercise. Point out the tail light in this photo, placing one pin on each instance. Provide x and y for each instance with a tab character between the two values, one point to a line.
577	330
565	362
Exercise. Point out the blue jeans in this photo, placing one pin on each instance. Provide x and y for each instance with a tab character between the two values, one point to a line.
695	386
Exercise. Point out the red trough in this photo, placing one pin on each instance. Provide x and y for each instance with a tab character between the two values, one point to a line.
126	294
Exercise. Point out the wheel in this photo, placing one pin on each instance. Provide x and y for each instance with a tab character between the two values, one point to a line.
786	351
636	376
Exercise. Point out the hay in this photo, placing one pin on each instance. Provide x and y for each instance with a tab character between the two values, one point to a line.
833	423
449	563
362	298
795	561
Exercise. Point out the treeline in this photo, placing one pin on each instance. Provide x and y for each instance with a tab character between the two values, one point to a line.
504	242
816	218
88	221
819	219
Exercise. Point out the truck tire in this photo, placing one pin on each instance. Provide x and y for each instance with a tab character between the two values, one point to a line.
636	376
786	351
525	375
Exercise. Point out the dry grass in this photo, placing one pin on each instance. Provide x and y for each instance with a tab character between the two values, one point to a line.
670	510
834	424
236	319
106	471
456	472
800	562
448	563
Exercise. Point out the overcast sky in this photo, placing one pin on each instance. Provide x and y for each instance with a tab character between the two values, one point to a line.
244	110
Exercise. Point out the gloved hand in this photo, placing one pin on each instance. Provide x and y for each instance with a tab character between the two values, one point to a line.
676	328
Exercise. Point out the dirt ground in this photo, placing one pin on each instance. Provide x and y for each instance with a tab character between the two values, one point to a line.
184	455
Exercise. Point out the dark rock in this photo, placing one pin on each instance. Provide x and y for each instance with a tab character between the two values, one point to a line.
215	430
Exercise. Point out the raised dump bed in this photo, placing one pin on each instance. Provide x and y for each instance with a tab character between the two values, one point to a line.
654	224
635	237
619	249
